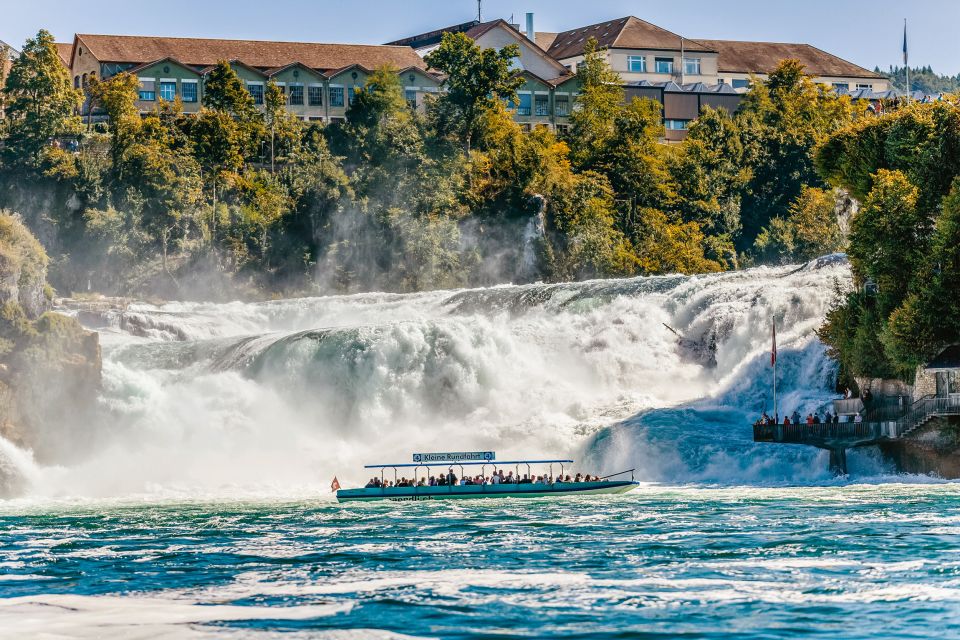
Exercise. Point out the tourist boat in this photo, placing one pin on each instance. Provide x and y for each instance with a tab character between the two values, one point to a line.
421	467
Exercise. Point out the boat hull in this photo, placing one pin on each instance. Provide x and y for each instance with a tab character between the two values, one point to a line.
472	492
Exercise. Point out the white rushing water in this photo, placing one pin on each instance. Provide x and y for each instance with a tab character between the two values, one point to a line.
277	397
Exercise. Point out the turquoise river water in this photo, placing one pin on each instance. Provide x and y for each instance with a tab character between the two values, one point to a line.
852	561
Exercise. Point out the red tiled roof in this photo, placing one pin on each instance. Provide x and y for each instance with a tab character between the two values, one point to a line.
763	58
65	49
204	52
622	33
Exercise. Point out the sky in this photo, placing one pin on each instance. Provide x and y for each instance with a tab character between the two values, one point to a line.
867	32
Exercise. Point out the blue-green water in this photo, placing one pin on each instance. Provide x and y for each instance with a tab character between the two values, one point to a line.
851	561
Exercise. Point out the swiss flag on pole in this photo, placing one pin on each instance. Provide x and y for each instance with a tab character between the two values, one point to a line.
773	352
335	485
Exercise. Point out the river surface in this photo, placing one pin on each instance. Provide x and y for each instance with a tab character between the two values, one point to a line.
196	500
850	561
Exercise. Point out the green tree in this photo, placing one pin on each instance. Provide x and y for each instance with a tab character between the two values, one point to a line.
783	120
40	100
282	127
601	99
889	238
809	231
475	79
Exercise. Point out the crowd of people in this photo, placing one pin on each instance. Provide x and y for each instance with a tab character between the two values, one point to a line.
812	418
498	477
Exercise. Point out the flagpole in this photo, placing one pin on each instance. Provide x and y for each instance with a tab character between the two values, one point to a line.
773	322
906	62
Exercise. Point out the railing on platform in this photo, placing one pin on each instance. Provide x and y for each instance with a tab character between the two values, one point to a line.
918	414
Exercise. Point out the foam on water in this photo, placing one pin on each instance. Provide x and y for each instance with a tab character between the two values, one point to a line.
251	399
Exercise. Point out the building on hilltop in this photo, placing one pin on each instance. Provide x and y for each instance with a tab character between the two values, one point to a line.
318	79
546	97
739	60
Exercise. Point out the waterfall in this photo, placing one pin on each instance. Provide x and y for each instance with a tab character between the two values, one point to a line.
277	397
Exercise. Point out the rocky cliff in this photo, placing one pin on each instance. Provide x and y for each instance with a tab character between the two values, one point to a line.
49	365
934	449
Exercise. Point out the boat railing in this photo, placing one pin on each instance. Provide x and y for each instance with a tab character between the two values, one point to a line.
620	473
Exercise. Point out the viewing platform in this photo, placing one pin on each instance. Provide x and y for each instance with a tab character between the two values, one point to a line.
838	437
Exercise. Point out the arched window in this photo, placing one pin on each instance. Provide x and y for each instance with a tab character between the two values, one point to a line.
76	82
84	80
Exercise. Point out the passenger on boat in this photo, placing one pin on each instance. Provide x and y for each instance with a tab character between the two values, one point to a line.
451	477
829	418
795	417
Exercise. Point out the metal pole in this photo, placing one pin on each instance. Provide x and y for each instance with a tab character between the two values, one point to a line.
775	358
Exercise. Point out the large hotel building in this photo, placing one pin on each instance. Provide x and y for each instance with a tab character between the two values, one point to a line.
319	80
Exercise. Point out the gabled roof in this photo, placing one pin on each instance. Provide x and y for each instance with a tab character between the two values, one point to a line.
763	57
949	358
205	52
146	65
234	63
272	72
65	50
545	39
433	37
622	33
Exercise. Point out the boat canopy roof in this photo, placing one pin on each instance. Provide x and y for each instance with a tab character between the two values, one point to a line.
464	464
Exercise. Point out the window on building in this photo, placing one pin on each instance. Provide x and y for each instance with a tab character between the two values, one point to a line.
336	96
691	66
168	91
76	82
841	86
256	90
676	125
411	97
721	81
563	129
664	65
148	90
868	87
351	95
523	108
296	94
541	105
316	118
740	83
188	91
562	105
337	120
637	64
315	95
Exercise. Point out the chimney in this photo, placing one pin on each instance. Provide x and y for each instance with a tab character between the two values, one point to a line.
531	34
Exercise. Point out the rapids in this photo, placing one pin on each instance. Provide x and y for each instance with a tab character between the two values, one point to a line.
275	398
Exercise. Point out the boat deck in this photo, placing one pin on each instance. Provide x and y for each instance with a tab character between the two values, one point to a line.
472	491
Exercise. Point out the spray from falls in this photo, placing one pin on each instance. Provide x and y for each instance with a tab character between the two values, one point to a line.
278	397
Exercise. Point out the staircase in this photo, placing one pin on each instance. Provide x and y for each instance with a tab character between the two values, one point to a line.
924	410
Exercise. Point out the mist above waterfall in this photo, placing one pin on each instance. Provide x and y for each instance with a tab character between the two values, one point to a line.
280	396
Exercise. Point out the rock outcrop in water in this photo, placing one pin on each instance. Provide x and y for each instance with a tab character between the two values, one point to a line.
49	365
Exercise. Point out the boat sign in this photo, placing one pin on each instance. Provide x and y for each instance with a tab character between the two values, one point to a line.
461	456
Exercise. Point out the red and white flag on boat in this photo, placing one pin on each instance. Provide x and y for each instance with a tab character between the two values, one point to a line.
773	352
335	485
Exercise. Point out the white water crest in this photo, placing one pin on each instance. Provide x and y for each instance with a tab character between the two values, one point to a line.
278	397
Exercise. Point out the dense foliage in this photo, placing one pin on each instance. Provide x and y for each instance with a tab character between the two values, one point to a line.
923	79
242	200
904	243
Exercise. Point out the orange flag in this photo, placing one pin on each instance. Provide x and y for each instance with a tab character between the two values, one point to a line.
335	485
